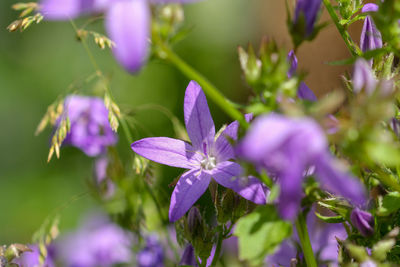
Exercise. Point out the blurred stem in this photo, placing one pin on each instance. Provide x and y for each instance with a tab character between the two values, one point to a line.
210	90
217	249
302	231
353	48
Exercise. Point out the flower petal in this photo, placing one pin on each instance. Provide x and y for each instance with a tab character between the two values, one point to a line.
223	148
168	151
291	191
66	9
198	120
228	174
334	179
187	191
128	25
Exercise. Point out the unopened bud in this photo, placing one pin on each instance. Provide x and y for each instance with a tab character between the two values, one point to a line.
194	221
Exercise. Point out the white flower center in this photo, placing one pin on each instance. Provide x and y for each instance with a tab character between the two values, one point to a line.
208	163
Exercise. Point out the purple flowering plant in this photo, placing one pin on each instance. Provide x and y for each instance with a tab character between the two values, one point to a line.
294	180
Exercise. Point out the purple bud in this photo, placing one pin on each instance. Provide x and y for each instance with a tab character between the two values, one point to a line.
194	220
188	257
370	7
309	9
395	124
371	38
363	221
363	77
292	59
305	93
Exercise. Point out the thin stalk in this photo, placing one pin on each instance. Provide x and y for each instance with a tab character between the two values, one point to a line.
217	250
302	231
210	90
353	48
101	75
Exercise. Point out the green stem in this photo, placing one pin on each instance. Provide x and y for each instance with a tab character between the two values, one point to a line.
217	250
210	90
353	48
101	75
302	231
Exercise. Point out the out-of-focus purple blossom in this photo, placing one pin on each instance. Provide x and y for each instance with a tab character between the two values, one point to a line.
207	157
188	257
363	77
368	263
363	221
98	242
152	255
127	23
308	9
90	129
31	259
303	92
106	186
286	148
323	241
371	38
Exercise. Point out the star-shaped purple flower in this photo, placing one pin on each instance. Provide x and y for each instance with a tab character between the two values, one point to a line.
207	157
127	23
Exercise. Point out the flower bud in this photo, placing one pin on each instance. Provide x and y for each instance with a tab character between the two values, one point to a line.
371	38
306	13
363	78
194	221
188	257
363	221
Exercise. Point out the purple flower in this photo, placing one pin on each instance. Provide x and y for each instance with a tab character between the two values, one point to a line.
90	129
308	9
371	38
152	255
31	259
286	148
207	157
97	243
303	92
363	221
363	77
127	23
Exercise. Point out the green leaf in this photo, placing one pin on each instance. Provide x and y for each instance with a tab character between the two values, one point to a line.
330	219
383	153
260	233
390	203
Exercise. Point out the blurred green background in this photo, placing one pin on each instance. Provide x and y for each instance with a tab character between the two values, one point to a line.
39	64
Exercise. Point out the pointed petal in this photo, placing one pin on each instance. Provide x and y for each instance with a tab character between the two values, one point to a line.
228	174
128	25
304	92
371	37
198	120
168	151
65	9
187	191
336	180
223	148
